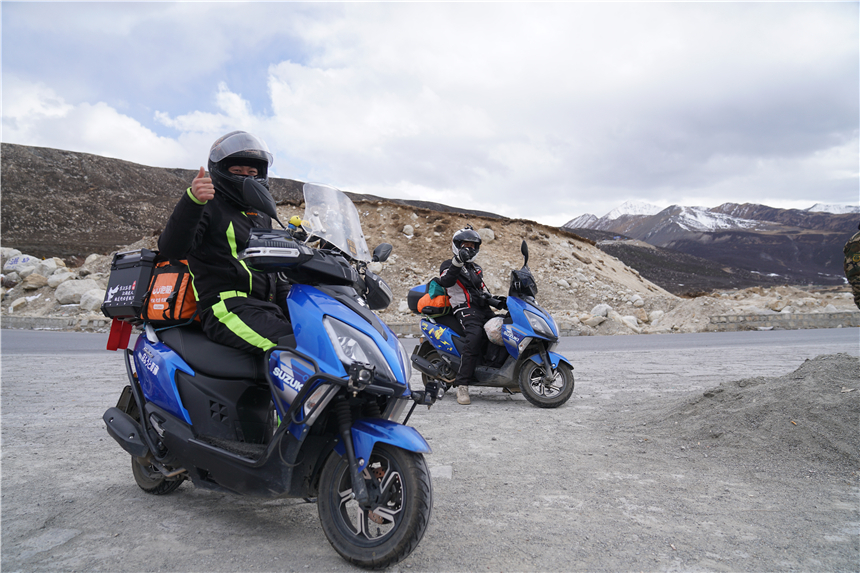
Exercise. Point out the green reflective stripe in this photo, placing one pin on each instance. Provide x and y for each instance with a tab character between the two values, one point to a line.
231	294
239	328
193	286
193	198
231	238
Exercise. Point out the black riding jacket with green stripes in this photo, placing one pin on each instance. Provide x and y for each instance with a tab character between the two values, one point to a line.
209	236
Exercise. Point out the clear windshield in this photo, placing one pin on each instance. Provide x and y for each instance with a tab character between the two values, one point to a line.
331	216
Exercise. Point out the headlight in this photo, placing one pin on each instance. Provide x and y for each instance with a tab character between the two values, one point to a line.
352	345
539	325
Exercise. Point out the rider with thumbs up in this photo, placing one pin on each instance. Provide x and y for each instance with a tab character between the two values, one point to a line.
210	224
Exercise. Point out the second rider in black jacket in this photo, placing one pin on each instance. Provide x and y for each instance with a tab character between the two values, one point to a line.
464	281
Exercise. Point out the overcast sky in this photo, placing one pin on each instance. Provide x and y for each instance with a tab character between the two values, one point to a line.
538	111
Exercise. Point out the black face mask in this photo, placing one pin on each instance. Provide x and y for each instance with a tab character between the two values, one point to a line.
255	196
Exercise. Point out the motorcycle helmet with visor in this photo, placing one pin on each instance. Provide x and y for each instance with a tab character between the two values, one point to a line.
466	235
238	148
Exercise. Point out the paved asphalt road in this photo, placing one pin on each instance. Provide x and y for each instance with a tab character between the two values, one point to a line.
45	342
69	502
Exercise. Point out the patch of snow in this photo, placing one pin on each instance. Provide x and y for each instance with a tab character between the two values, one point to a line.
701	219
632	208
835	209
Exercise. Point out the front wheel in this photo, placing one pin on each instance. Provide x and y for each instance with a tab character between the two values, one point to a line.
401	496
542	394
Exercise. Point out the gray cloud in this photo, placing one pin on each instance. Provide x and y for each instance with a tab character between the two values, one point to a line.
543	111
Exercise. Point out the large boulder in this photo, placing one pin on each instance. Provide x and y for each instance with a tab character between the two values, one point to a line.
21	264
591	320
601	310
631	323
70	292
10	280
49	266
59	277
7	253
487	235
92	299
34	281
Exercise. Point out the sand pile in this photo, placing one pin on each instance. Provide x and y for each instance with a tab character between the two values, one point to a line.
811	415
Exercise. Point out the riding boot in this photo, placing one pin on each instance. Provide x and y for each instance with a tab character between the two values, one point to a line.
463	395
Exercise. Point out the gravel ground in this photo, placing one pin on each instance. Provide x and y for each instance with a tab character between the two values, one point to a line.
640	471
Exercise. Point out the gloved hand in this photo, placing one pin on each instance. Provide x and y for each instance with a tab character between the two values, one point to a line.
466	254
498	302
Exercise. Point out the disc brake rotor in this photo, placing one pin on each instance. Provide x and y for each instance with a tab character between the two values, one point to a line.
377	473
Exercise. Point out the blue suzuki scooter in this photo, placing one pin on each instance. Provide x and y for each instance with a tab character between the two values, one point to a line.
317	417
529	334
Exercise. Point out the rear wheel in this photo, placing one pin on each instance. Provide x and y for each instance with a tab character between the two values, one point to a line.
401	496
150	480
444	369
543	394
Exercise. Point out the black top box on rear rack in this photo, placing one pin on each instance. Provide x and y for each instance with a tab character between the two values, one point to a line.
130	275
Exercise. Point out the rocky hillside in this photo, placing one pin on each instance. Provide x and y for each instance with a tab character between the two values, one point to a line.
66	204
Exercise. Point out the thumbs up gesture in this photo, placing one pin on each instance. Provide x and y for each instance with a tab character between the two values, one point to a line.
202	187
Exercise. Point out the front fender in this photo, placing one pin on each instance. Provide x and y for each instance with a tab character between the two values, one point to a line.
368	431
553	357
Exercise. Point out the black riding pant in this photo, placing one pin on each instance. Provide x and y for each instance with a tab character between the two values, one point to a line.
246	323
474	338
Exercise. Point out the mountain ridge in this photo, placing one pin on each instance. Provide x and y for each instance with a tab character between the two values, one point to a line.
798	246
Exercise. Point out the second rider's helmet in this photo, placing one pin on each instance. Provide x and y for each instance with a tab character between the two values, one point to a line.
466	235
238	148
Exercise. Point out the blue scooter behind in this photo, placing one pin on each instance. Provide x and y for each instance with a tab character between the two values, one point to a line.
529	334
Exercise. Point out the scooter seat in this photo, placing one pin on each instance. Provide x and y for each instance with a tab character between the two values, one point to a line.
451	322
213	359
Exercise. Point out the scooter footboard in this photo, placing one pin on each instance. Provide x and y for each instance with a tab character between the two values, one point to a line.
367	432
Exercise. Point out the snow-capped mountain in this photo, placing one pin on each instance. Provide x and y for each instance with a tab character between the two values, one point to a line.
582	222
835	209
800	245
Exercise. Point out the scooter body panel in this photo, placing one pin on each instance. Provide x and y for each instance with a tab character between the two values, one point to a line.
157	365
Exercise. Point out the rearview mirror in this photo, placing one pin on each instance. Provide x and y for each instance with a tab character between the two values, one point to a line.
382	252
